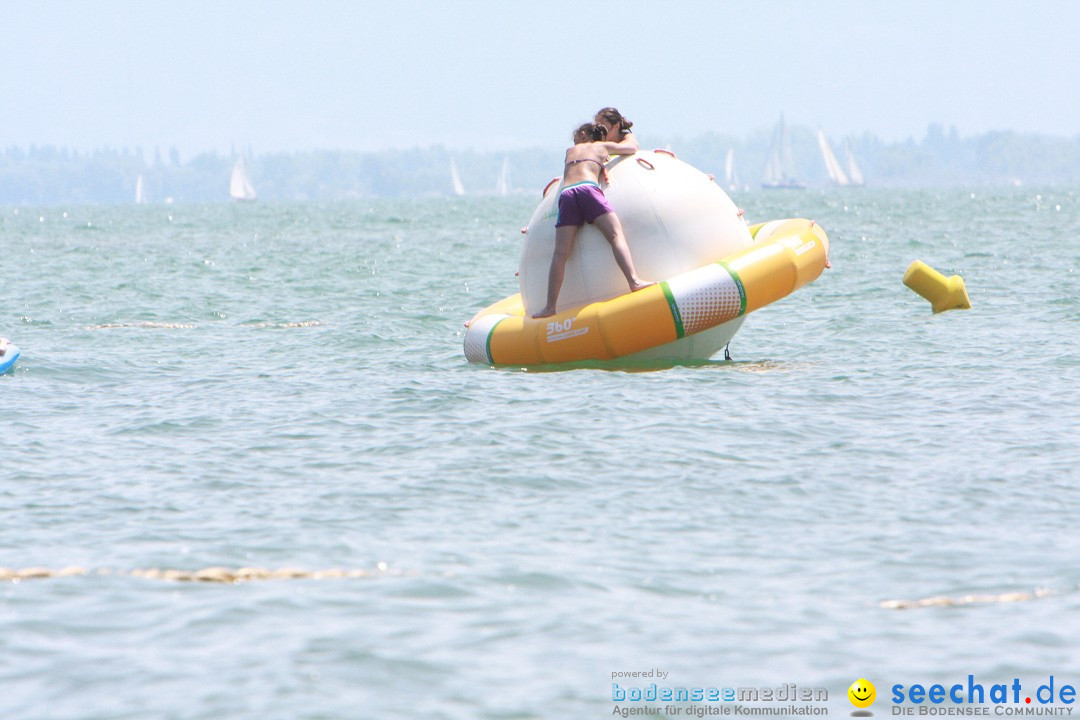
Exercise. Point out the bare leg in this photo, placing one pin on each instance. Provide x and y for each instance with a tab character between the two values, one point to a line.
610	226
564	242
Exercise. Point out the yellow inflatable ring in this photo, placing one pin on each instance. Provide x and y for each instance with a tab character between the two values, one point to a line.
785	255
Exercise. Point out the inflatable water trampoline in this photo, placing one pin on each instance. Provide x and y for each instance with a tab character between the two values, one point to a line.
684	231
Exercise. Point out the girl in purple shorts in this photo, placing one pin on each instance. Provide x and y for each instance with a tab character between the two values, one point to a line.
582	201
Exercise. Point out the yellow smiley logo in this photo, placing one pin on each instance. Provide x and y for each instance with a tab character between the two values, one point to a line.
862	693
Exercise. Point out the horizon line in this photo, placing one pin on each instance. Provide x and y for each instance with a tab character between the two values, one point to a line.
136	148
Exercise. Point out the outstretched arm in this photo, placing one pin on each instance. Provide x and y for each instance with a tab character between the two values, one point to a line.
630	141
627	146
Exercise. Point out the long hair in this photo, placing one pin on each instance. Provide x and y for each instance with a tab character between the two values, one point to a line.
616	118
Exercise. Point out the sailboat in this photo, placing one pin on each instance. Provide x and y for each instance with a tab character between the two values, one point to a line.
731	178
240	187
853	170
502	186
455	179
832	166
780	167
140	193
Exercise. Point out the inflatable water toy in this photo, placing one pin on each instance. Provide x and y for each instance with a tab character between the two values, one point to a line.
787	255
8	355
944	293
683	230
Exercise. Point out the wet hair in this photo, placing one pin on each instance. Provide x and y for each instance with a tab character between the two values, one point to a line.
616	119
590	132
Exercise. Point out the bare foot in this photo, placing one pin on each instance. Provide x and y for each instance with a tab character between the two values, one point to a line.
468	323
546	312
641	285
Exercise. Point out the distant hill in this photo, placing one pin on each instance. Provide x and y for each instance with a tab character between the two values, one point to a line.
51	176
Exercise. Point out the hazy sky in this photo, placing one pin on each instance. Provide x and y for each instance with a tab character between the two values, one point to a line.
278	75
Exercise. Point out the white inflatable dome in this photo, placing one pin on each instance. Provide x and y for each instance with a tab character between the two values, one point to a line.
675	219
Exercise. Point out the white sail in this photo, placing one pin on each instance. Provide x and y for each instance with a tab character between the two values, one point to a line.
836	173
502	187
140	195
731	178
455	179
240	187
779	169
852	168
774	170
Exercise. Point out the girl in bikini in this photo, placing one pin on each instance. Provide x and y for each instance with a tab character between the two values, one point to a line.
582	201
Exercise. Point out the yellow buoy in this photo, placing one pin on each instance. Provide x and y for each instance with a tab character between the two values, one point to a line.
944	293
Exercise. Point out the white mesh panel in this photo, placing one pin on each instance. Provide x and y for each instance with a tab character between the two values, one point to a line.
705	297
476	338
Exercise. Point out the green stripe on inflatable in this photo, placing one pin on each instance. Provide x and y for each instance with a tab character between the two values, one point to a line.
673	306
738	284
487	344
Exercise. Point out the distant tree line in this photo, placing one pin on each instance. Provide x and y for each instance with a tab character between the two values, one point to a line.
47	175
941	158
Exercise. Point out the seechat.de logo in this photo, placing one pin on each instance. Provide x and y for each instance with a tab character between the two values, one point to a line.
862	694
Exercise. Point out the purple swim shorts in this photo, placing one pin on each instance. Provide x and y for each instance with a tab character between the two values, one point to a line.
582	203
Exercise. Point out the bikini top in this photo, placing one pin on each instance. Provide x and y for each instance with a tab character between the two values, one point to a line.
574	162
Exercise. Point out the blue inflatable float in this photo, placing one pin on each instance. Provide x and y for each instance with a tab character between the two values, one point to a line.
8	355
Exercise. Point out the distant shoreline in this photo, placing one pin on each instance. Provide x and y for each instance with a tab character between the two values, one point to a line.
49	175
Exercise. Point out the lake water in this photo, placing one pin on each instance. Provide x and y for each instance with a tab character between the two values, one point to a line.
283	386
